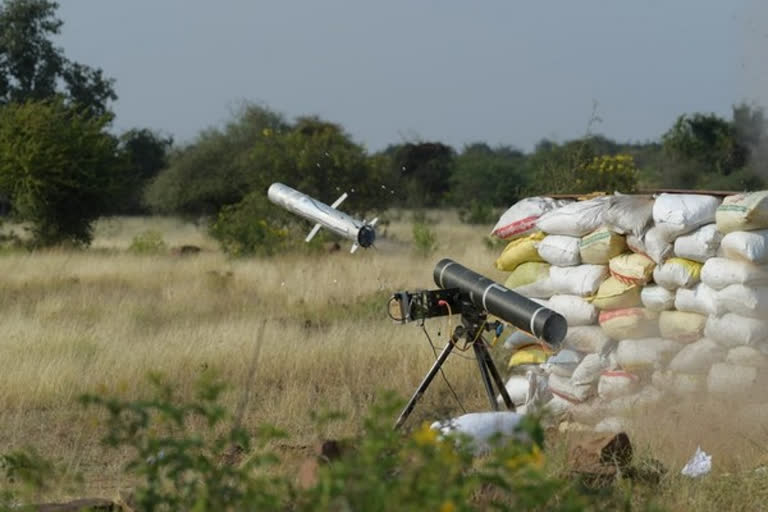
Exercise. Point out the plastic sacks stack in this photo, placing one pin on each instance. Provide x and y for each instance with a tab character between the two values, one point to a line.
665	296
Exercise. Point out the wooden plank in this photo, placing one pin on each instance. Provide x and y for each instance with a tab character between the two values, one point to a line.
718	193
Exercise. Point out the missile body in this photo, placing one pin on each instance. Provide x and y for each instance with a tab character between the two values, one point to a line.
362	233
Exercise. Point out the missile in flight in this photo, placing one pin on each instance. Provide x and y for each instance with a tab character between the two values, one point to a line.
362	233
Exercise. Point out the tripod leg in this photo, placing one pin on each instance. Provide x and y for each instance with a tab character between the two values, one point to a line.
424	384
481	363
497	377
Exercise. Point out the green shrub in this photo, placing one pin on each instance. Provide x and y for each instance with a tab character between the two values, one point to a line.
424	239
148	242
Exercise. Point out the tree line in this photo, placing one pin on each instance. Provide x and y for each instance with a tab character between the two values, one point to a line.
62	167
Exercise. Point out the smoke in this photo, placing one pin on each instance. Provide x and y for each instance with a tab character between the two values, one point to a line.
755	74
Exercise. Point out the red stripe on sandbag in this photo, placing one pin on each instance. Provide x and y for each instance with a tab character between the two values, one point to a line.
517	227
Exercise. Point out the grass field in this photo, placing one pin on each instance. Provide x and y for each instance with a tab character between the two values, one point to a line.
99	321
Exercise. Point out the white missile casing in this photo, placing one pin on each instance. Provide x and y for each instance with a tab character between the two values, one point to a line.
362	233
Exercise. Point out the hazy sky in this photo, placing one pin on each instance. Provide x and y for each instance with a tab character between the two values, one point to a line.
505	72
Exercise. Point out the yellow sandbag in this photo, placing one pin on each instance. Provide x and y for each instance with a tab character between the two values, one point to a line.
681	326
520	250
598	247
531	354
613	294
527	273
629	323
743	212
677	273
632	268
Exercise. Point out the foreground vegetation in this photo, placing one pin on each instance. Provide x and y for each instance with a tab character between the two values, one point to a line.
98	322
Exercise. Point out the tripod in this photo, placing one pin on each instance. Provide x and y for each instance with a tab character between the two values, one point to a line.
473	322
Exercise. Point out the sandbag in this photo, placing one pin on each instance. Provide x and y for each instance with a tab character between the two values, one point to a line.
559	406
560	250
678	214
629	214
677	273
613	384
699	299
657	298
648	396
688	383
681	326
531	279
636	244
699	245
718	273
564	388
598	247
746	356
750	246
743	212
518	251
645	354
520	219
620	324
744	300
519	339
632	268
517	387
575	219
582	280
531	354
731	330
697	357
483	429
657	247
614	294
588	370
731	379
563	363
586	338
576	310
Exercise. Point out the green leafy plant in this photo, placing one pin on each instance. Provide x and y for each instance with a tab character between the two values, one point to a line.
424	239
148	242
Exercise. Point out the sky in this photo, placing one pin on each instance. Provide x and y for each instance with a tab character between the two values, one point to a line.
500	71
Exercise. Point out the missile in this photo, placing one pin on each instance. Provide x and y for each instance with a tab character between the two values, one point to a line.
362	233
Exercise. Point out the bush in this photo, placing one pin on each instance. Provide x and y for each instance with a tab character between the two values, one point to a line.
248	228
148	242
424	239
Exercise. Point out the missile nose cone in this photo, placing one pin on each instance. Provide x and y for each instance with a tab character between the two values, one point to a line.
366	236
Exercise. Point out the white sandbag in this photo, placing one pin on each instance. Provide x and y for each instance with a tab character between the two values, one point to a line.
648	396
562	387
677	273
582	280
575	219
599	246
588	370
697	357
629	323
678	214
731	379
657	298
743	212
586	338
558	406
700	299
563	363
657	247
613	384
611	424
746	356
520	219
751	246
681	326
636	244
645	354
699	245
718	273
517	388
576	310
482	429
744	300
679	383
541	289
629	214
560	250
732	330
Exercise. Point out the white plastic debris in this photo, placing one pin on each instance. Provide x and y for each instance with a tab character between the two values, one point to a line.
699	465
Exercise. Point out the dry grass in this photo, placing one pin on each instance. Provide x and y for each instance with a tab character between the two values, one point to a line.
100	321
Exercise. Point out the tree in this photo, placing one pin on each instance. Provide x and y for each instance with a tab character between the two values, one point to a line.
495	177
423	172
33	68
59	167
146	154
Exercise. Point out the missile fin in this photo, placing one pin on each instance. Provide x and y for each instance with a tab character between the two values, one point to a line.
354	248
312	233
340	200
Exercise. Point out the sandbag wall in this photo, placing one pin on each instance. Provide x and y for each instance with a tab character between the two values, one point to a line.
664	296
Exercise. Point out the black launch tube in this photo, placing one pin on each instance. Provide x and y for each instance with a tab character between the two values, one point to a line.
502	302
